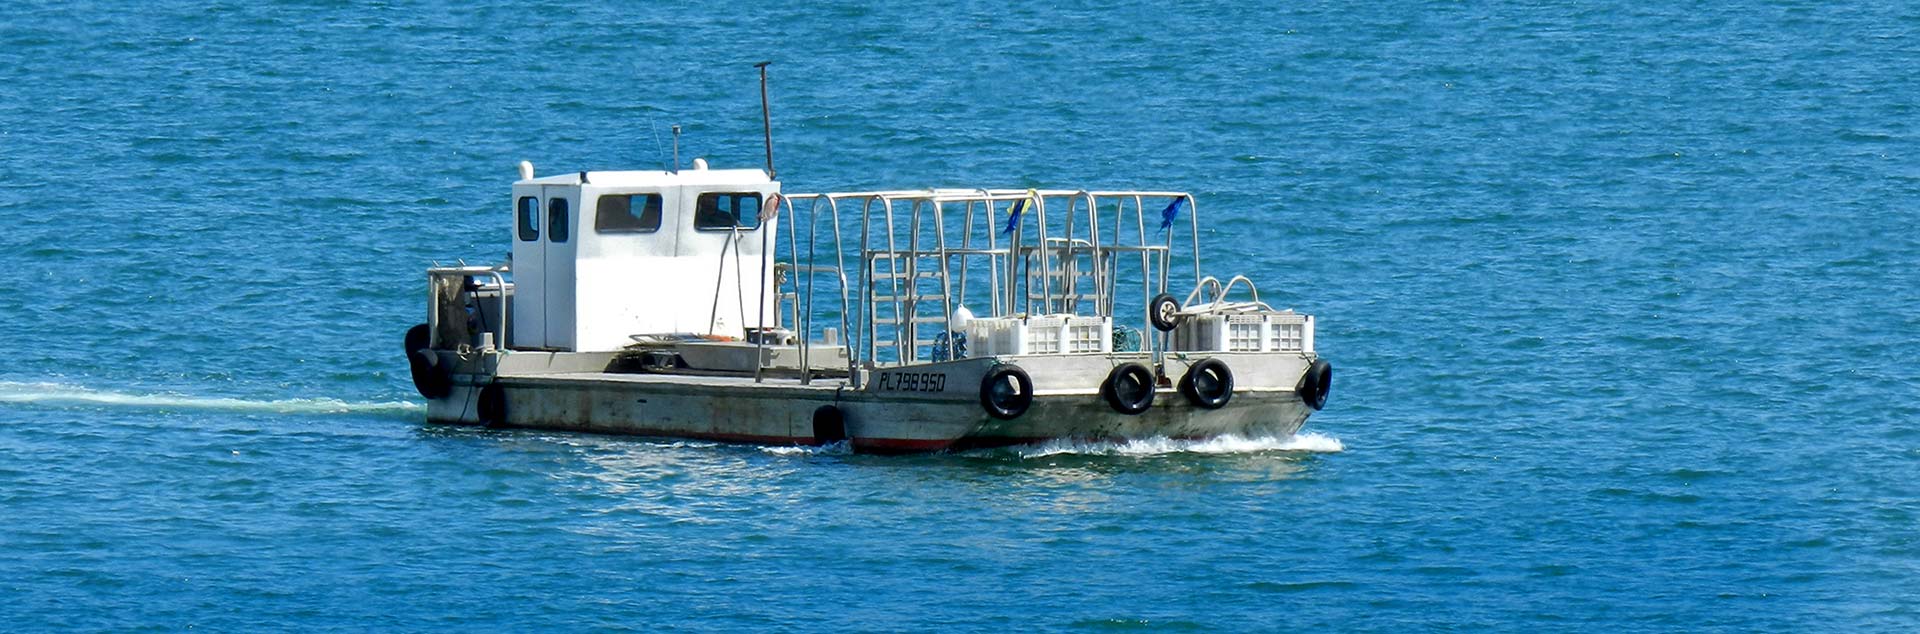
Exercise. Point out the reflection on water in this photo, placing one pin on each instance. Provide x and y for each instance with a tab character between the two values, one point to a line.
1228	444
650	489
679	481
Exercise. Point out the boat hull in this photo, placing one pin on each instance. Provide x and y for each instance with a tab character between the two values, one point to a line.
893	427
936	408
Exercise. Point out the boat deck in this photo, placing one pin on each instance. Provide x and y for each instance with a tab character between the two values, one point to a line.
771	383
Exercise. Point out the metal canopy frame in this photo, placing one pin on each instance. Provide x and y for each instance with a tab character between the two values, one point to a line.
887	299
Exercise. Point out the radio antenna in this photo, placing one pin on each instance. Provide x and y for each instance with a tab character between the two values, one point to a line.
676	149
766	116
653	125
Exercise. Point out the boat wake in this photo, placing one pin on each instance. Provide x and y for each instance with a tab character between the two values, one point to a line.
1309	442
64	395
837	448
1300	443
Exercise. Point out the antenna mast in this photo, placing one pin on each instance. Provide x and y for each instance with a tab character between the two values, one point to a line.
766	116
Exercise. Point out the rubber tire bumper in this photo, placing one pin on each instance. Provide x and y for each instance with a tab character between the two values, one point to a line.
1214	398
492	407
1315	384
1002	404
829	425
1141	399
430	378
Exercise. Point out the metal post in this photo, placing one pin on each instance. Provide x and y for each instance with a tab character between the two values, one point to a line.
966	242
433	311
760	314
946	276
912	351
846	302
1193	217
893	283
870	306
1046	271
766	116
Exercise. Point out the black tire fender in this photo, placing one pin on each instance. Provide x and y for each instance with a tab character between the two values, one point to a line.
1208	384
430	378
492	407
1006	392
1315	383
1130	388
829	425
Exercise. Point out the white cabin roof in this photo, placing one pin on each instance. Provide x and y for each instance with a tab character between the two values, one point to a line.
655	178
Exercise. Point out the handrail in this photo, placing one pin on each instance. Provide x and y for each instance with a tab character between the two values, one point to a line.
946	276
433	299
1205	282
1220	295
803	316
840	270
978	211
1231	282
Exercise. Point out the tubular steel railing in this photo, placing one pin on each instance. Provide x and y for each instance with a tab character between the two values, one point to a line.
439	276
926	251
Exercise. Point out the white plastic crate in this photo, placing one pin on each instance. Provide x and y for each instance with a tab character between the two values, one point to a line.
1054	334
1283	331
1085	334
1043	335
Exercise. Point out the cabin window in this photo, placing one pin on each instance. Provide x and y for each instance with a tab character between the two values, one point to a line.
529	216
721	210
557	220
628	213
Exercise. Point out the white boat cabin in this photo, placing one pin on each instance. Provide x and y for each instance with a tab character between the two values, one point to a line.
601	256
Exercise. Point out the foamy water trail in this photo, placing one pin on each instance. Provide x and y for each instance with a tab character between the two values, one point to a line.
1310	442
60	394
836	448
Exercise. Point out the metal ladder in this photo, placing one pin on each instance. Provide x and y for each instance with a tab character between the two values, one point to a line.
1073	281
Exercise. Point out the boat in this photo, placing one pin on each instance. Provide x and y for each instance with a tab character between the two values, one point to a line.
709	304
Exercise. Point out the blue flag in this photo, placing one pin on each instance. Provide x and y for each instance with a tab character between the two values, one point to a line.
1172	210
1019	207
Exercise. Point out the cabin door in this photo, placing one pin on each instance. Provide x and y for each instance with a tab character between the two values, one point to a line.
529	269
560	238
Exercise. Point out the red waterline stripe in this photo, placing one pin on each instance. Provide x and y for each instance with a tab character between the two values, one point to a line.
746	439
900	445
906	445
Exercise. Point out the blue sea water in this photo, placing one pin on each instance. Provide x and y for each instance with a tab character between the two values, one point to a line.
1623	297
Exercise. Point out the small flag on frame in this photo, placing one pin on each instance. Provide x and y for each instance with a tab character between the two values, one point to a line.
1173	209
1019	207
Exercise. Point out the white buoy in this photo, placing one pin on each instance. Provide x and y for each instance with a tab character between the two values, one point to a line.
699	163
526	170
962	317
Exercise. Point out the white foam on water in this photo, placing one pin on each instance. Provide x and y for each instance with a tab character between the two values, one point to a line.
835	448
61	394
1310	442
